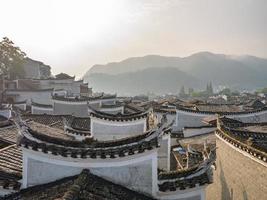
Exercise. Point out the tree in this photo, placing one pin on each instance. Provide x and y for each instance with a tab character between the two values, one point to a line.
182	92
11	59
190	91
209	89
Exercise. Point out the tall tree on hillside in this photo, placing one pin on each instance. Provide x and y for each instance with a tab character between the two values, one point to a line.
209	89
182	92
11	59
190	91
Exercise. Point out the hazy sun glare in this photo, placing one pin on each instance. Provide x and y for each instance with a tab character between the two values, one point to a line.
73	35
62	21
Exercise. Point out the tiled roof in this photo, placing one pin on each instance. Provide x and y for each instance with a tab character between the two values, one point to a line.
49	131
53	141
41	105
84	99
119	116
190	110
200	174
9	134
50	120
237	134
10	164
85	186
56	121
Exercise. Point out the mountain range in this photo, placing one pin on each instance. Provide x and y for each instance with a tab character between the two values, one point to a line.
162	75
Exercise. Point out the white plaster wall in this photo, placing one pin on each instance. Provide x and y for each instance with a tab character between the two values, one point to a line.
112	110
109	130
138	173
69	85
78	110
164	153
42	97
98	102
189	119
190	132
252	117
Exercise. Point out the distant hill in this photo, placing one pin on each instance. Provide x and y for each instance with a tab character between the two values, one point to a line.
157	80
238	72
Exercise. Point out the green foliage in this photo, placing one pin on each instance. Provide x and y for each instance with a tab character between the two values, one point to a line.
199	94
262	90
11	59
190	91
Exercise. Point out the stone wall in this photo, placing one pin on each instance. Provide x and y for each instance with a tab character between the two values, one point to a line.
237	177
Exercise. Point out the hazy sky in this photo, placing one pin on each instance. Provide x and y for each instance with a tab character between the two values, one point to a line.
72	35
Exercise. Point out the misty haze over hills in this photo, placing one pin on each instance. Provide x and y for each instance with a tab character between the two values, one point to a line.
161	75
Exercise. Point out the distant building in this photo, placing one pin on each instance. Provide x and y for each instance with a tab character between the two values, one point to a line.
35	69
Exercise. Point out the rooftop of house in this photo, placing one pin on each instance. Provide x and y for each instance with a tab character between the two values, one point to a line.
64	76
217	108
57	121
249	137
10	167
8	134
45	130
84	186
260	128
119	116
39	137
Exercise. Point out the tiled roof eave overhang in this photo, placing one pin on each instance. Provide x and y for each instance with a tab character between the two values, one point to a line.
41	105
5	123
89	152
83	99
8	184
30	90
120	118
58	98
110	107
200	174
255	151
199	127
164	111
184	183
133	145
77	132
220	113
17	102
